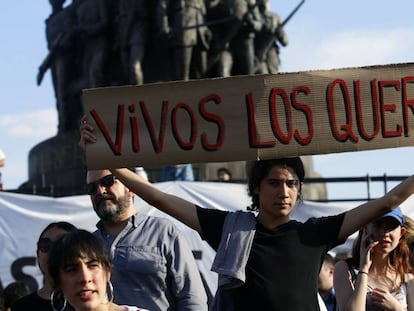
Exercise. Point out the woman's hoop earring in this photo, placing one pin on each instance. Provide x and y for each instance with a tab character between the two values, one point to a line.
110	291
58	296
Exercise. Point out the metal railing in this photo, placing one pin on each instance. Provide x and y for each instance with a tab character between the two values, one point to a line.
367	179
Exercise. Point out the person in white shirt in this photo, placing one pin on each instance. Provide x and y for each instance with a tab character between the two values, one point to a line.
2	163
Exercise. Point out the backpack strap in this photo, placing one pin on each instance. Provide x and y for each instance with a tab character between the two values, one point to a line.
351	269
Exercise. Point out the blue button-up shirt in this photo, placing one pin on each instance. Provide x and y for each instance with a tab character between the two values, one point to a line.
330	300
153	266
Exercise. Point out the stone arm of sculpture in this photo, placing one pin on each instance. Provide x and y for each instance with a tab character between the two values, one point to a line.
45	65
281	36
253	20
101	25
123	33
62	41
161	16
273	25
212	3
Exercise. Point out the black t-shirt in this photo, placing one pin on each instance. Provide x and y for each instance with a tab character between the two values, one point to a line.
283	266
36	303
32	302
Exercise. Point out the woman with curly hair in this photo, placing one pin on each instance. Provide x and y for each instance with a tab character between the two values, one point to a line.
409	236
377	277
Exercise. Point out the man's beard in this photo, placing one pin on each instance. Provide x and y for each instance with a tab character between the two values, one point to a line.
109	209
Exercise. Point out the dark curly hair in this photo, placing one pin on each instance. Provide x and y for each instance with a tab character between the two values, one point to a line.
258	170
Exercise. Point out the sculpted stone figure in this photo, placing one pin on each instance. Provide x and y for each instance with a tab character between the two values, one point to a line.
233	39
132	26
95	43
92	25
99	43
60	60
267	40
182	22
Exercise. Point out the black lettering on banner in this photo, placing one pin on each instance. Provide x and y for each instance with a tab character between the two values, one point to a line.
18	274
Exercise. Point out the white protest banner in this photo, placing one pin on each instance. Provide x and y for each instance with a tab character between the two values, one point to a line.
250	117
24	216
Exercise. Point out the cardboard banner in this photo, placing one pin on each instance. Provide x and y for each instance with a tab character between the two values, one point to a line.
252	117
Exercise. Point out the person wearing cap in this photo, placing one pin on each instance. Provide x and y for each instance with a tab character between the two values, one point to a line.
377	276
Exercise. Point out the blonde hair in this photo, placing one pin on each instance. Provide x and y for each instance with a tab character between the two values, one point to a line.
409	237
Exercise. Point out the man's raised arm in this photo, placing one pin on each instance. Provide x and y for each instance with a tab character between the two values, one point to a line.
174	206
359	216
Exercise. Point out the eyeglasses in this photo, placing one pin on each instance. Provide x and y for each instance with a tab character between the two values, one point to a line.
106	181
44	245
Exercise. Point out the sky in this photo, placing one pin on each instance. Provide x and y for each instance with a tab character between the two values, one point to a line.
322	35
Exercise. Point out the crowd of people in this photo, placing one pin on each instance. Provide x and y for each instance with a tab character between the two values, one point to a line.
262	253
264	259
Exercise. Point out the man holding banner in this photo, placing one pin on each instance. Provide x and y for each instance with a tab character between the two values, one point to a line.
265	260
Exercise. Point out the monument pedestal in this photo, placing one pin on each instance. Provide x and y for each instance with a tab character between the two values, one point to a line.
56	167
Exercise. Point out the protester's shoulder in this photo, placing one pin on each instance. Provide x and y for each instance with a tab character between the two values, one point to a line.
342	264
162	225
326	219
130	308
161	221
99	231
345	269
211	211
26	301
409	279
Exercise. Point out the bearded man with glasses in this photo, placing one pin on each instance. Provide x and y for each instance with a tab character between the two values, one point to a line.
153	265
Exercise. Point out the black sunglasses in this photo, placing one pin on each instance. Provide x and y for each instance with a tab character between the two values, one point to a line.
106	181
44	245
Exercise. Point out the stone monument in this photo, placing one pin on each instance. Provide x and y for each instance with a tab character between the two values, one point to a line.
95	43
